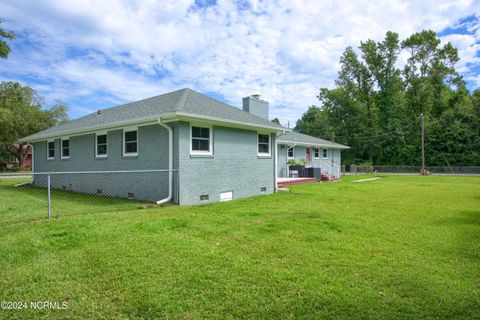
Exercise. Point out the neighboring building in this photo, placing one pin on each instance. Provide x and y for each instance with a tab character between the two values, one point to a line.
11	160
220	151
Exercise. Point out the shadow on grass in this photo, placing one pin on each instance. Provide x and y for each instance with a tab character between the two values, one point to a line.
31	204
466	226
464	217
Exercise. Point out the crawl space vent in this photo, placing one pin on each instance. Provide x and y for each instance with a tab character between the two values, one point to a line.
226	196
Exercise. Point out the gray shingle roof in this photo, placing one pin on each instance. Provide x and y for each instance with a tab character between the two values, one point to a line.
184	101
299	138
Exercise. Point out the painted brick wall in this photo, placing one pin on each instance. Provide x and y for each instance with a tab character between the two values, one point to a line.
152	154
234	166
282	161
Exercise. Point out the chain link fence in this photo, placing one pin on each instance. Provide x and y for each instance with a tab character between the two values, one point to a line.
55	194
444	170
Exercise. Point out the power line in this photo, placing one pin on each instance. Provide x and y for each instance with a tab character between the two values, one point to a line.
395	131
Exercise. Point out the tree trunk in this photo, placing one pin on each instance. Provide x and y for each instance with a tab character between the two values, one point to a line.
21	159
19	150
22	155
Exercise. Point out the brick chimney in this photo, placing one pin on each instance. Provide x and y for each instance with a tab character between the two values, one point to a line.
256	106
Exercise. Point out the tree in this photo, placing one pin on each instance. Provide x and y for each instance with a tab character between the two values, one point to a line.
375	106
4	48
276	120
21	114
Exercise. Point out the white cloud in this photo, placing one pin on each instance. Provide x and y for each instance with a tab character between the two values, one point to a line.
284	50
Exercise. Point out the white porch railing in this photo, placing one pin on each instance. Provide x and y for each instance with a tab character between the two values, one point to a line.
330	168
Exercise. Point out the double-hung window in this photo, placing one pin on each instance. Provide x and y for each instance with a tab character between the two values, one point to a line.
50	150
263	144
201	140
101	145
290	153
65	149
130	142
316	153
325	154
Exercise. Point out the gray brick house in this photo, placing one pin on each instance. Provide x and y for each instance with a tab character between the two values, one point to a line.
219	152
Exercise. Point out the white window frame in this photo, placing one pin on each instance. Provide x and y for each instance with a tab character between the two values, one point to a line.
124	143
106	143
261	154
61	148
210	142
325	151
316	150
49	158
293	151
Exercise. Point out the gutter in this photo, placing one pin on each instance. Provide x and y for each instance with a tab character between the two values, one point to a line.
304	144
170	162
174	116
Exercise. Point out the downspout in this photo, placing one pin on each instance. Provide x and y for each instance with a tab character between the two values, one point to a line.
33	163
275	159
170	162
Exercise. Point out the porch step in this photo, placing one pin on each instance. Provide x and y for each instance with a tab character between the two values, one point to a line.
326	177
295	181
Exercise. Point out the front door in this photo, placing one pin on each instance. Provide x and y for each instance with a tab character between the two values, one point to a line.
309	158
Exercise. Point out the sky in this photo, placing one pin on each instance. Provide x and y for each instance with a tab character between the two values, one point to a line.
98	54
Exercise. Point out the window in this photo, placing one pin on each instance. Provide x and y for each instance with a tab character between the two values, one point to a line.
204	197
325	154
263	144
50	150
263	189
201	140
130	145
100	145
290	153
316	153
65	149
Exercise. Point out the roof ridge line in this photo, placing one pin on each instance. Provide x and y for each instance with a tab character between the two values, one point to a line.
181	102
232	107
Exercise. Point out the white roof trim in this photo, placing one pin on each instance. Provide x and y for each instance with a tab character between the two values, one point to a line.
308	144
174	116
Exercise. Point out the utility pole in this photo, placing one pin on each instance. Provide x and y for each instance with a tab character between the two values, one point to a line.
288	124
333	136
423	145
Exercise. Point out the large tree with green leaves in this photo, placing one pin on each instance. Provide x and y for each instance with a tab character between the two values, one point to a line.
375	105
21	114
4	48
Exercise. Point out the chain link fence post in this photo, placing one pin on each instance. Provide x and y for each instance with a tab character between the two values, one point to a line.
49	198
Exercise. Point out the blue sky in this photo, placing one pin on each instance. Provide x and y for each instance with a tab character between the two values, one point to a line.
96	54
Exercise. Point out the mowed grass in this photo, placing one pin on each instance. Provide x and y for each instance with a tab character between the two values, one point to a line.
400	247
30	204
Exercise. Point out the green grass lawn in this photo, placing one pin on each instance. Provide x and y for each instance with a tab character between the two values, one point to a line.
29	204
401	247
